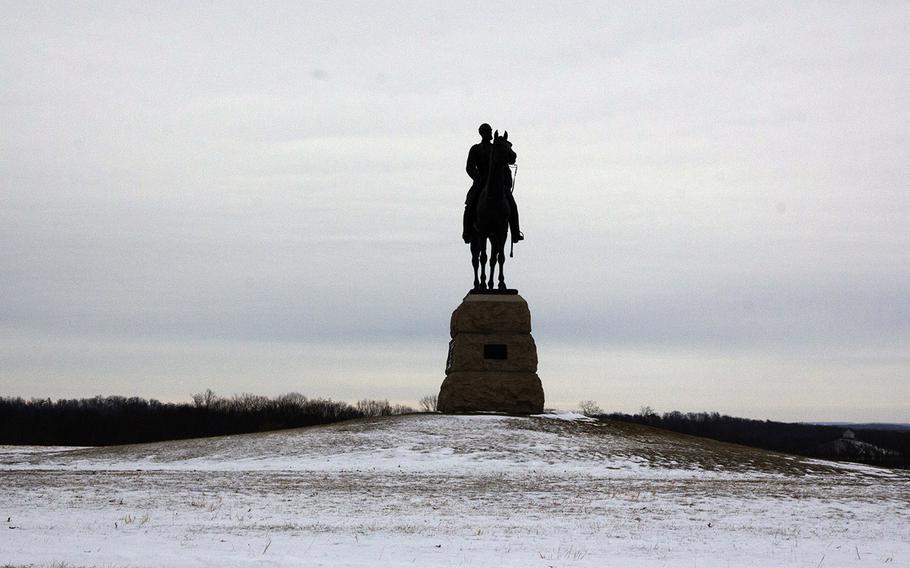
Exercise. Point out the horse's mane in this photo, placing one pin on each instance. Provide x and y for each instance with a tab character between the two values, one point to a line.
499	172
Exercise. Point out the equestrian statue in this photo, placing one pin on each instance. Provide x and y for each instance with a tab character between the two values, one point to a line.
490	210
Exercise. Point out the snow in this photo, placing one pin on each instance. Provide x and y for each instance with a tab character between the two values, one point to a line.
432	490
568	416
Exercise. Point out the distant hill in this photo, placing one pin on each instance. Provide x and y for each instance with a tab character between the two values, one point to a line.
866	425
848	448
885	445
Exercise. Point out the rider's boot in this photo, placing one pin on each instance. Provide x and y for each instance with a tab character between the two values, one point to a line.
513	229
466	226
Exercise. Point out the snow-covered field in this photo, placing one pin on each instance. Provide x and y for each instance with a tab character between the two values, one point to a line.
432	490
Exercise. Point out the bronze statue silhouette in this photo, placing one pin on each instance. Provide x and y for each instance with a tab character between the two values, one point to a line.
477	168
492	213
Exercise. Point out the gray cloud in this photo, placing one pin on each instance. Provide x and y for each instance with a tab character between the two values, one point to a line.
723	179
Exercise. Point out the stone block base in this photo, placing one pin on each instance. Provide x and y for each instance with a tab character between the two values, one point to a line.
496	391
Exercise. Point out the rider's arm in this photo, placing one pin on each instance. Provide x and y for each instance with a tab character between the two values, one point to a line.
471	166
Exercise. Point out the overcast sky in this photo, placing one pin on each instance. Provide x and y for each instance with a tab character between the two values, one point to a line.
267	198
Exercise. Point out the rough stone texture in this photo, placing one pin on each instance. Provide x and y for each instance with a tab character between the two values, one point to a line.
472	391
480	313
475	383
466	352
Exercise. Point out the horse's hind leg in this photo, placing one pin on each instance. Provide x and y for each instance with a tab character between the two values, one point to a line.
502	260
475	263
483	266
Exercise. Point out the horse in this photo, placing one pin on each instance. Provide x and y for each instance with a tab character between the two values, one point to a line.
492	219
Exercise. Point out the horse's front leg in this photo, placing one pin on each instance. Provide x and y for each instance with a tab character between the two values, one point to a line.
492	265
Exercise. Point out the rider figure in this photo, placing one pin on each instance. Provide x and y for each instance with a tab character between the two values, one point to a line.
477	168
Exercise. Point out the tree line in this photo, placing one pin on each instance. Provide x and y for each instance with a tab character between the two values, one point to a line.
110	420
888	448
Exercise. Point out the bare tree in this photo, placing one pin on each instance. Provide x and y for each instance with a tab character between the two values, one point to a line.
402	409
590	408
374	407
205	399
428	403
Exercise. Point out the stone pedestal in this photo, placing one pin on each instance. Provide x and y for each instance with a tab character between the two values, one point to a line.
492	363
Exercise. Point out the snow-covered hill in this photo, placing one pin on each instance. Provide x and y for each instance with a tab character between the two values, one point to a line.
431	490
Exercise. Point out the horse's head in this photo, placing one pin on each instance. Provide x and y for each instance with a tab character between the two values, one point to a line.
502	149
